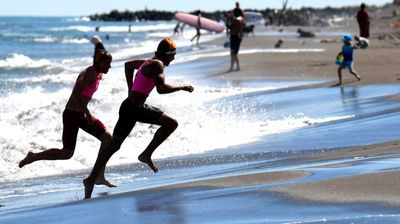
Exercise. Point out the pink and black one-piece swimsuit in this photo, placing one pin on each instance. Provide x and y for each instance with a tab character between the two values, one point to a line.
130	113
89	90
141	83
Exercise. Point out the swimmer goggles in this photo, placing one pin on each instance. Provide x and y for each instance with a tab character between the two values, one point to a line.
172	52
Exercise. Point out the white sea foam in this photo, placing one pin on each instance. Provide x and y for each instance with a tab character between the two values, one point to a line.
205	124
120	28
61	78
159	34
78	28
78	19
135	49
23	61
66	40
75	41
47	39
48	70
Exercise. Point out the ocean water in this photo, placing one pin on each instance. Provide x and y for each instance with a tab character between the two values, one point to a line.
40	60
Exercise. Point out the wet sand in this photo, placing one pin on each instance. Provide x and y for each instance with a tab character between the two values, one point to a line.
333	186
375	186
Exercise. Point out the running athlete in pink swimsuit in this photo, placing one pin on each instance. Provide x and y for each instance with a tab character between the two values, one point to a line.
134	109
76	115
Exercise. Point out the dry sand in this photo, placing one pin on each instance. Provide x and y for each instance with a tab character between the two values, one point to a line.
379	63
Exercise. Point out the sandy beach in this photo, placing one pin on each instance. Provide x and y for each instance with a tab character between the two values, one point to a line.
244	184
377	65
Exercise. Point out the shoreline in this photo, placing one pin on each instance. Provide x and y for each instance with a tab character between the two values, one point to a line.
248	196
344	189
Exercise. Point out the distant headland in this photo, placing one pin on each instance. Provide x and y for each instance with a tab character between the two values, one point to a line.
273	16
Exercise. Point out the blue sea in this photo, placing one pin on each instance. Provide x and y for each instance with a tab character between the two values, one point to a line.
225	127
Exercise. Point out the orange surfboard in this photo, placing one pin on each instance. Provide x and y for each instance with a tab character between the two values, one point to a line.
206	24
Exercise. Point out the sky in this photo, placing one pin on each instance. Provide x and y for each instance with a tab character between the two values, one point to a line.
89	7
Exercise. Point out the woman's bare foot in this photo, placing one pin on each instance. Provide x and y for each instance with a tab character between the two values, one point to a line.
144	159
103	181
27	160
88	188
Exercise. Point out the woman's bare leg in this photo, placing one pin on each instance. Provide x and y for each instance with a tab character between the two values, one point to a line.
168	125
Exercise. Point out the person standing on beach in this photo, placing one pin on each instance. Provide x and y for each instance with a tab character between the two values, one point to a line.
347	53
76	115
237	11
198	27
235	27
363	21
133	109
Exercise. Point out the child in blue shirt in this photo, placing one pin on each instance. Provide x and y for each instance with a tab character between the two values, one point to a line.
347	53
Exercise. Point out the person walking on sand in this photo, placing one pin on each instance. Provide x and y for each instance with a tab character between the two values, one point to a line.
133	109
76	115
363	21
347	53
176	28
198	27
235	27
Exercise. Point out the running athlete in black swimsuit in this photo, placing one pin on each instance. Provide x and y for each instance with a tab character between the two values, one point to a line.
150	74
